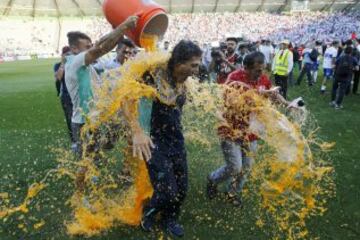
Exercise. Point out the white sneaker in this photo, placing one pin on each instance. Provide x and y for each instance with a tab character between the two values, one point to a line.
74	147
332	104
323	88
337	107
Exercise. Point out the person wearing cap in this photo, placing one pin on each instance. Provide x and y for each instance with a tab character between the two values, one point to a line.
62	91
282	66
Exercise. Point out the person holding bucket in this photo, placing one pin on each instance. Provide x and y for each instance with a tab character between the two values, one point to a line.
80	78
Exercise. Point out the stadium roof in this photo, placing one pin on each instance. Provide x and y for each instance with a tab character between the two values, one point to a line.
82	8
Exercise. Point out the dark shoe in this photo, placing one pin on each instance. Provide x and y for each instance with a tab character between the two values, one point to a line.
211	189
148	221
173	228
234	199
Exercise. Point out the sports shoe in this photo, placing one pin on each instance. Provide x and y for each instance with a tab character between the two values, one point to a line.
211	189
337	107
148	221
173	228
322	89
332	104
234	199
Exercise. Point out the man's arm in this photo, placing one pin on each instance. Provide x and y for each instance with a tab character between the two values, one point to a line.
141	143
275	96
59	73
232	66
109	41
291	62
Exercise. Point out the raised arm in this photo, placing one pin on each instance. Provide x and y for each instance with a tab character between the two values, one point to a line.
109	41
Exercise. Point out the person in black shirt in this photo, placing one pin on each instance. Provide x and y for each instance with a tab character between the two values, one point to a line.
164	150
345	66
62	90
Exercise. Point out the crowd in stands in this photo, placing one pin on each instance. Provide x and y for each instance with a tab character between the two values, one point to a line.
298	28
46	36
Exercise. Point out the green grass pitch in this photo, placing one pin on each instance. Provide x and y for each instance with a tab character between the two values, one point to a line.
31	122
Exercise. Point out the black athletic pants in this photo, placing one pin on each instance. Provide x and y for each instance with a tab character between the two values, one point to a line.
169	177
282	82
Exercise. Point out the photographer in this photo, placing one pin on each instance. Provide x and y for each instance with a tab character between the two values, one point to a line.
225	61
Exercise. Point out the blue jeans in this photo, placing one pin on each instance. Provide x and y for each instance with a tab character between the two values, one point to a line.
306	70
238	162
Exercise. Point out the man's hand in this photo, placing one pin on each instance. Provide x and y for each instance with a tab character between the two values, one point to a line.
274	90
142	145
59	73
131	22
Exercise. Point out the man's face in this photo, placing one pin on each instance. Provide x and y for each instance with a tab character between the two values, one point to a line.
231	46
124	53
64	55
188	68
242	50
256	71
81	46
283	46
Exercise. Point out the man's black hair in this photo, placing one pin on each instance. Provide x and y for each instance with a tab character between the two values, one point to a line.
126	42
183	52
252	58
348	42
74	37
348	50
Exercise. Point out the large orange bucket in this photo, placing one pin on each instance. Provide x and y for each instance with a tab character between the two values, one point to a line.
153	19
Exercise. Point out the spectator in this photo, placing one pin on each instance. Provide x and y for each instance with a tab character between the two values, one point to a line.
357	71
329	64
308	62
124	51
282	66
225	63
266	49
343	76
62	90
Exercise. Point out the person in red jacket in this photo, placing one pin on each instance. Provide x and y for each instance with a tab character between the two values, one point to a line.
236	140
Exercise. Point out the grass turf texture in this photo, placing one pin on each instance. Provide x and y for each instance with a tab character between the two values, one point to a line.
31	122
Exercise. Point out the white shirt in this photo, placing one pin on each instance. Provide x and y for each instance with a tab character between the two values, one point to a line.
81	81
329	55
267	51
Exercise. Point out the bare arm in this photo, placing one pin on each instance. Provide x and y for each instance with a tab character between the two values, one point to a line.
59	73
275	96
141	143
109	41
